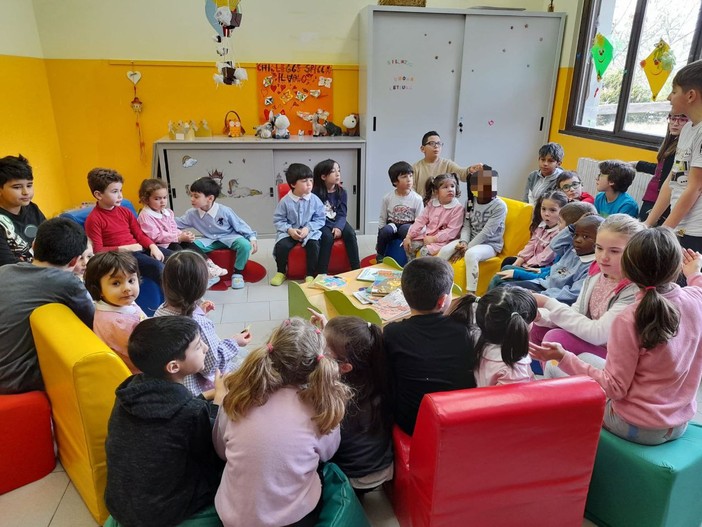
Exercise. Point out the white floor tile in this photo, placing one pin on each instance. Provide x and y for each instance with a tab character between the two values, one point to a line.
72	512
35	504
266	293
262	330
228	296
251	312
279	310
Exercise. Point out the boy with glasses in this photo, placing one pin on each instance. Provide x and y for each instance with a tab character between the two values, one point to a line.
569	183
432	165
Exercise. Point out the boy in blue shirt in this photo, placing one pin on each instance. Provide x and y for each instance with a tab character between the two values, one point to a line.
298	218
219	225
614	179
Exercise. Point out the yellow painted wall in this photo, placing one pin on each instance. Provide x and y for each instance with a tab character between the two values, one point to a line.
28	127
97	126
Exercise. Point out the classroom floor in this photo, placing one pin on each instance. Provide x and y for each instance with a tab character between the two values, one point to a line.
54	502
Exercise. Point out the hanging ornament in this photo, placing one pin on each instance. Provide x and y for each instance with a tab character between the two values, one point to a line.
137	107
658	67
601	52
225	16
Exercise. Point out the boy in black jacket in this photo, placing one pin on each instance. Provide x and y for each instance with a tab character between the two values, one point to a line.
428	352
161	465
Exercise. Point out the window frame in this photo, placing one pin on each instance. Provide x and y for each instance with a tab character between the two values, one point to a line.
582	68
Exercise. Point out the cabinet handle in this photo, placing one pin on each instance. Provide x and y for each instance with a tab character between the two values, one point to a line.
374	124
271	191
354	190
174	193
541	125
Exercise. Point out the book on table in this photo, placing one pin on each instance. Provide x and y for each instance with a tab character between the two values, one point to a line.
384	286
327	283
371	274
392	306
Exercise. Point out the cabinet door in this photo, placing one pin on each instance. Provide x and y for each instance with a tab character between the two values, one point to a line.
348	162
510	65
246	177
414	70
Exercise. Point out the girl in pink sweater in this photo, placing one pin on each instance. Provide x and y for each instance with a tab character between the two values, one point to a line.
654	358
279	419
441	220
158	223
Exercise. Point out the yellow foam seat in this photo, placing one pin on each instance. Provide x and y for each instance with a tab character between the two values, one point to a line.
80	374
516	237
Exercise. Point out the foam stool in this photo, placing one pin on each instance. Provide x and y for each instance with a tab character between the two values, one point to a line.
297	261
26	445
397	252
647	486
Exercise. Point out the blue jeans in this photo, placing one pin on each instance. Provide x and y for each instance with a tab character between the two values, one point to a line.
387	233
149	266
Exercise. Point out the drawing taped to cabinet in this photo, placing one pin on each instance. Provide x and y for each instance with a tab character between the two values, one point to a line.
233	188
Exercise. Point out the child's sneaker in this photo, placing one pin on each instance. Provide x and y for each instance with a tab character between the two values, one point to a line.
214	269
237	281
278	279
308	279
212	281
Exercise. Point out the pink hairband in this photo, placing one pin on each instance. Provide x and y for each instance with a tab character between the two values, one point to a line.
650	288
270	347
320	357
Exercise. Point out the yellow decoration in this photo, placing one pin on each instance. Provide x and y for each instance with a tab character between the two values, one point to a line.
658	66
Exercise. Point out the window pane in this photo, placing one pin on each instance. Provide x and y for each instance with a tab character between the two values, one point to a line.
673	21
598	105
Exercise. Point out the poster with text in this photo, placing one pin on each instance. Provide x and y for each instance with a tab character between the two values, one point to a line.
299	90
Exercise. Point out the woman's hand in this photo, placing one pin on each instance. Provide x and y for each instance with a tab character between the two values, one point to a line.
547	351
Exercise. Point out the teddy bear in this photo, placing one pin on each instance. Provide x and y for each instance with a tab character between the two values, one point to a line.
280	126
350	122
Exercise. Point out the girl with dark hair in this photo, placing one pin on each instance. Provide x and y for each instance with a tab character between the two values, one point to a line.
654	358
503	316
185	278
326	185
365	453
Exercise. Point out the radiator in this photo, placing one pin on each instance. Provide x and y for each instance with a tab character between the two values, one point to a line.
588	170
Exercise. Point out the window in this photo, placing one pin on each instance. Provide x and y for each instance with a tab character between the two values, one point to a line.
620	108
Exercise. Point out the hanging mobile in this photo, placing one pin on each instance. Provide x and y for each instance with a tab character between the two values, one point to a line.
137	107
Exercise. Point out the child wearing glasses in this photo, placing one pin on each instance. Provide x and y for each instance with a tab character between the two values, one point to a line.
432	165
569	183
661	168
544	179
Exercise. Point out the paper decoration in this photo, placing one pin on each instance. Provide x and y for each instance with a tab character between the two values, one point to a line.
601	52
658	67
294	88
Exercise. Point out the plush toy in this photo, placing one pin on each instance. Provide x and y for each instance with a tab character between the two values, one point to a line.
317	119
332	129
350	122
280	125
265	131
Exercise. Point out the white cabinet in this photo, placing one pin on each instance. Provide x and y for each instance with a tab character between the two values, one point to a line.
249	169
484	79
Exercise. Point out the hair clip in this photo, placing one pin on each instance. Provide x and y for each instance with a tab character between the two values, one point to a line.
514	313
286	322
270	347
320	357
650	288
317	331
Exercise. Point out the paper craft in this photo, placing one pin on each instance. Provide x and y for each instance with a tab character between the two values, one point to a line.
300	96
658	66
267	81
268	101
370	274
325	81
315	93
601	52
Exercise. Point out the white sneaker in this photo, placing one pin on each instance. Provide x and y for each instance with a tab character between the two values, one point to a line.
215	270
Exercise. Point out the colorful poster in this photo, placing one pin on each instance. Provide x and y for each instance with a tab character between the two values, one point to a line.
295	89
658	66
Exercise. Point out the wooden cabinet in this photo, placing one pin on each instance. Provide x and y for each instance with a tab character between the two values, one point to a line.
249	170
483	79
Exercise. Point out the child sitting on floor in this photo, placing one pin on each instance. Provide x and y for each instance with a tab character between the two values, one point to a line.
219	225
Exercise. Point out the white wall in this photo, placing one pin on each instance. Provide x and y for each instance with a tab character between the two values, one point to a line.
323	31
18	29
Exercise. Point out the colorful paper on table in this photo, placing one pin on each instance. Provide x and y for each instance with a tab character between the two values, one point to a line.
327	283
601	52
371	274
658	67
392	306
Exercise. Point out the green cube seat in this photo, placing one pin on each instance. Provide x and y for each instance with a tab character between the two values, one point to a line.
647	486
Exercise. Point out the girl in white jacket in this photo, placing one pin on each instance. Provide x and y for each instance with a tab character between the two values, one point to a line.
585	326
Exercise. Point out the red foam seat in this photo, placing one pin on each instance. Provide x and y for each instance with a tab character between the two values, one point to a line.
519	454
26	444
